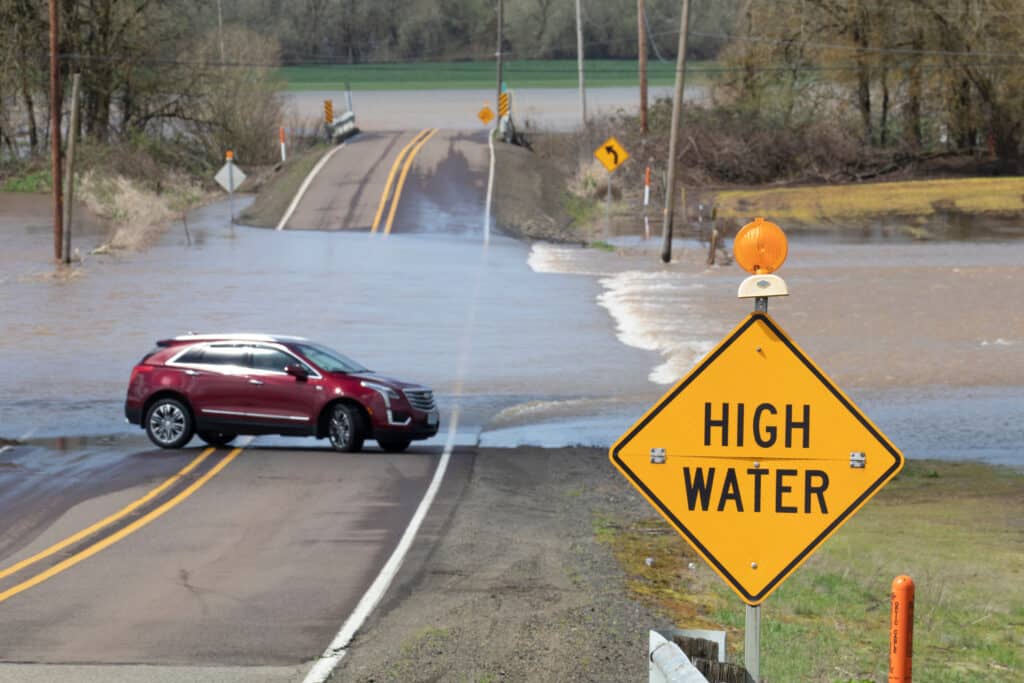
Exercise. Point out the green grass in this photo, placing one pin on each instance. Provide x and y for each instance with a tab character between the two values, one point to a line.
29	181
473	75
956	528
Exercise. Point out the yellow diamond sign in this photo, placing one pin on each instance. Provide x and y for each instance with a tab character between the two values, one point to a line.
756	457
485	115
611	154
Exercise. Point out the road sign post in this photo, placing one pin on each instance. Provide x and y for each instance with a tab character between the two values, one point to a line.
229	177
611	155
756	457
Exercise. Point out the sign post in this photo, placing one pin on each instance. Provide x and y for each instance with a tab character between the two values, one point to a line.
611	155
756	457
229	177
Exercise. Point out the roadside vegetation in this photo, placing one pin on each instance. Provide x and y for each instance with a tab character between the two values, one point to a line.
955	528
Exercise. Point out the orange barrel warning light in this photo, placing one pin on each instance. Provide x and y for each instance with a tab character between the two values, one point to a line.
760	247
901	630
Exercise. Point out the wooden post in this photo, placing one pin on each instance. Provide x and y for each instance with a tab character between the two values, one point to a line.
579	65
641	46
677	105
69	186
55	111
501	21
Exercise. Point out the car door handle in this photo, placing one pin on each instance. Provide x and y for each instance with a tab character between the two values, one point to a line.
255	381
193	373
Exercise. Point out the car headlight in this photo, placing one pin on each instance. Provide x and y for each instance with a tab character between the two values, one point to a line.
388	393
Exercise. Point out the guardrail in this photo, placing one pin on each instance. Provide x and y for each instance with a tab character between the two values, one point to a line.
692	656
669	664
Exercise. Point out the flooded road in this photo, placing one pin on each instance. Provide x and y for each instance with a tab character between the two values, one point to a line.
547	345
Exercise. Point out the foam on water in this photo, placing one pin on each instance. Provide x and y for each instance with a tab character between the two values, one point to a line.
652	310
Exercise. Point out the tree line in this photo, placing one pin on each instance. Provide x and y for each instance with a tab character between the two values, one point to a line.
907	75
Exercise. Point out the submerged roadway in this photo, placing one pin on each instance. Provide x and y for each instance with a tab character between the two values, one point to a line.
120	562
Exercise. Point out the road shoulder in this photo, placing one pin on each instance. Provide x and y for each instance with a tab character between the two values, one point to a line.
516	585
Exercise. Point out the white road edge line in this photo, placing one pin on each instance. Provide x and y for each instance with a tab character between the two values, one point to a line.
334	653
305	186
490	191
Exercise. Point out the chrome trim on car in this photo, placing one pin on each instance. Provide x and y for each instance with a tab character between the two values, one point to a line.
421	399
297	418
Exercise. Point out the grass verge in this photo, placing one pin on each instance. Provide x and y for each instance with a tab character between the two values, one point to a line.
956	528
559	73
277	191
822	204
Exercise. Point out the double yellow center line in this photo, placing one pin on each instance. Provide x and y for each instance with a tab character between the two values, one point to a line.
405	159
110	539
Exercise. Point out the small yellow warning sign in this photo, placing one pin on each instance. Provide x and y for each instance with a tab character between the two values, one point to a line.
611	154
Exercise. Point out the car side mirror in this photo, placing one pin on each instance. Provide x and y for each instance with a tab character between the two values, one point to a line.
296	371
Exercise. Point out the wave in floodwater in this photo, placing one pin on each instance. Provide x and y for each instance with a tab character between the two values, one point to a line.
652	310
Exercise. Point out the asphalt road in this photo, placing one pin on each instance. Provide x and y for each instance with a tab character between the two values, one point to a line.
439	177
122	563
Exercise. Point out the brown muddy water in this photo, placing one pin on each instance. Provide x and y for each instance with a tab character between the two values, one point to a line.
537	344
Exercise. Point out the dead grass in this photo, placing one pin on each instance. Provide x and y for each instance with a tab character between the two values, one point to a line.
137	215
821	204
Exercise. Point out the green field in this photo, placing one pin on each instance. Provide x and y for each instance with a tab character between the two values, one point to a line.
470	75
956	528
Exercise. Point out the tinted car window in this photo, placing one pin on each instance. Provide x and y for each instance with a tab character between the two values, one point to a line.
193	355
224	355
329	359
262	358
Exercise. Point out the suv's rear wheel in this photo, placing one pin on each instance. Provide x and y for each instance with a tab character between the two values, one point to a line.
169	423
394	444
217	438
345	428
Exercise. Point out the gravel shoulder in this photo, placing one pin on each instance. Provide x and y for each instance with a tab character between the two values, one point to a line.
515	586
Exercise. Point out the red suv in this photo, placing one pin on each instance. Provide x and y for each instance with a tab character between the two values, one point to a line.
219	386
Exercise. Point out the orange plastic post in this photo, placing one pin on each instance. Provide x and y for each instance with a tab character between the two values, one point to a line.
280	134
901	630
229	155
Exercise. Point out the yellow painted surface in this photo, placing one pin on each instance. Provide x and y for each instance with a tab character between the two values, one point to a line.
128	530
391	177
106	521
912	198
485	115
611	154
767	504
401	179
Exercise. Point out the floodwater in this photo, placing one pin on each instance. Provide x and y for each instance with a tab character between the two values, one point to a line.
536	344
556	109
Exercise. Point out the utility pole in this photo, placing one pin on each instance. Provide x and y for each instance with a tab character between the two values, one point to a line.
69	186
220	30
501	21
55	110
641	46
579	61
673	141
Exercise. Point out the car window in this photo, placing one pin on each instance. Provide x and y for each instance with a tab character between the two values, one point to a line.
329	360
225	355
193	355
264	358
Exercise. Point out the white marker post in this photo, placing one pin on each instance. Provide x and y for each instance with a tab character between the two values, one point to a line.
647	201
280	136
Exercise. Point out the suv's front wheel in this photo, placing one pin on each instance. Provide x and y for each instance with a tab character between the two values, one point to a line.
169	423
345	428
